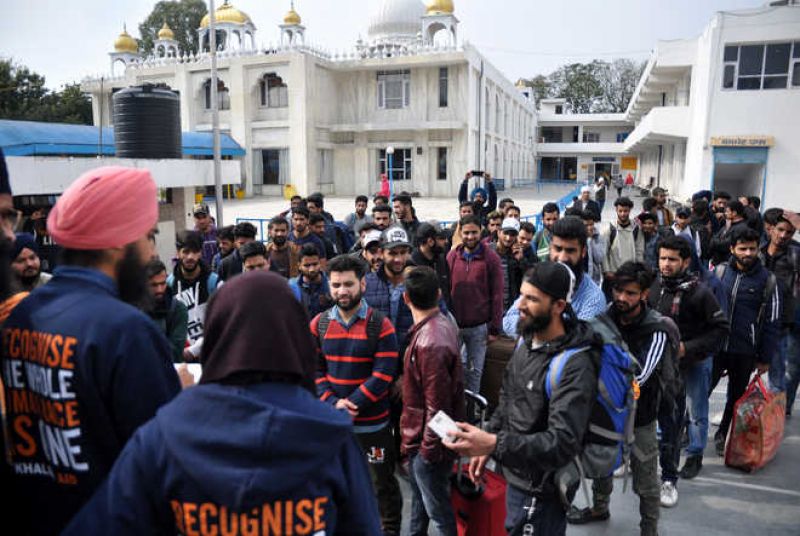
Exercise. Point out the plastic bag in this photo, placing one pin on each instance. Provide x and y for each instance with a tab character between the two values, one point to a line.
757	428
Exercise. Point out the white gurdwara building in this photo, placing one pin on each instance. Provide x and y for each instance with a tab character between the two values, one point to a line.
322	121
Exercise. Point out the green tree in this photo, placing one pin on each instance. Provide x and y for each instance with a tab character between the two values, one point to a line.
182	16
579	84
23	96
619	80
540	85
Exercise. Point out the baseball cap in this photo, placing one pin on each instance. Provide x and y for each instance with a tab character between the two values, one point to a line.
200	208
370	238
510	224
554	279
394	237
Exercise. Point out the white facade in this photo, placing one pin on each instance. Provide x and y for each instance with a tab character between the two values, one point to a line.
698	128
320	121
580	146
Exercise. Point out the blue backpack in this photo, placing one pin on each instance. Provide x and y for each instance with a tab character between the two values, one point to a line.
608	441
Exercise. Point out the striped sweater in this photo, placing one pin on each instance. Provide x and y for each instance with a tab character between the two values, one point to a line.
348	368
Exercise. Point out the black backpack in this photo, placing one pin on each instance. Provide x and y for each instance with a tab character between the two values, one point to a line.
374	325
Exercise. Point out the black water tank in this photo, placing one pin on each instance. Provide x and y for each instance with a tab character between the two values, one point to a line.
147	122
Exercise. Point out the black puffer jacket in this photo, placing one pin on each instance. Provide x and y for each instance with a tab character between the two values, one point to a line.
537	436
700	319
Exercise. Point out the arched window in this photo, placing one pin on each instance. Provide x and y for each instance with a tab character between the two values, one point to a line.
223	96
274	93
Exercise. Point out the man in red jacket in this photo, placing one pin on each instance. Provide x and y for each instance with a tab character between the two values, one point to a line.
476	290
433	381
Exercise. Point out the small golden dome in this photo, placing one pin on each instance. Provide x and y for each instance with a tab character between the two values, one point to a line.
226	13
292	17
440	7
126	43
166	32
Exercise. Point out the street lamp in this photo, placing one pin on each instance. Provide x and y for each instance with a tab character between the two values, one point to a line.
389	157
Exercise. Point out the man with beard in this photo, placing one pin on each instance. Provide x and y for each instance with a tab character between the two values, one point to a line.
301	232
527	231
317	225
476	289
430	254
382	216
662	213
568	245
311	287
254	257
385	287
168	313
404	213
282	254
653	340
243	233
754	305
108	366
494	222
703	325
781	256
192	284
530	435
226	243
360	216
721	200
541	242
624	243
358	364
466	209
371	251
25	263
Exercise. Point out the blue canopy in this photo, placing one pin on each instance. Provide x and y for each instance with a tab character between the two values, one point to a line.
30	138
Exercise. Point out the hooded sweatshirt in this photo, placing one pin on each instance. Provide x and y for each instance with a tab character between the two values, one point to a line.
194	295
248	451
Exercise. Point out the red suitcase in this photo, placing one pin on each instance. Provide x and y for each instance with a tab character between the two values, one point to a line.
480	512
484	515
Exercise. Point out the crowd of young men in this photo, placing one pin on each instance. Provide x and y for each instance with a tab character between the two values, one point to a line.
387	319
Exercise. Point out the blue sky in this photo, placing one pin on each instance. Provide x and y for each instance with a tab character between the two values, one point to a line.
66	41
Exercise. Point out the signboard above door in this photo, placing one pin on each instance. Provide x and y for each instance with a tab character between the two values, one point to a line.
742	141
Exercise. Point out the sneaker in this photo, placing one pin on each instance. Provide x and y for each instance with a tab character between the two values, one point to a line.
619	472
719	444
669	494
582	516
716	419
691	467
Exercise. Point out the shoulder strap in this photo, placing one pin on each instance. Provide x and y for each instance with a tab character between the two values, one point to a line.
322	326
374	325
212	282
612	235
556	368
635	233
769	289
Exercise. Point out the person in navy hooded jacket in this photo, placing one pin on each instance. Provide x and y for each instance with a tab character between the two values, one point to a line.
248	451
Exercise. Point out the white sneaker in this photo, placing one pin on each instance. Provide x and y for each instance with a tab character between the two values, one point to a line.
716	419
620	471
669	495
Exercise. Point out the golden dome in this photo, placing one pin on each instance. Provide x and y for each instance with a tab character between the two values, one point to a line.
166	32
126	43
440	7
227	13
292	17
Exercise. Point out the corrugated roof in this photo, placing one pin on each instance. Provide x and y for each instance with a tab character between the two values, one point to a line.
31	138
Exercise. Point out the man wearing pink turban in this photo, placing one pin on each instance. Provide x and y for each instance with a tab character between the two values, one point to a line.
86	368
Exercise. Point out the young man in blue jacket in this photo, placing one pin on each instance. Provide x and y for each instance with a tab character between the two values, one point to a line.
248	451
82	368
754	307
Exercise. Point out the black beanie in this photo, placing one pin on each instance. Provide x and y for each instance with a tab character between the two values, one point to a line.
554	279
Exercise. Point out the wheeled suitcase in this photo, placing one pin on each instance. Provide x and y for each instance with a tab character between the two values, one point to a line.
479	510
498	354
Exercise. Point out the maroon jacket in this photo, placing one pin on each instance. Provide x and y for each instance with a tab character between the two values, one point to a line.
476	288
433	380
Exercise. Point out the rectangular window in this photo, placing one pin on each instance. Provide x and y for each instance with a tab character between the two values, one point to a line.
591	137
796	74
759	66
622	136
325	166
441	164
401	164
443	87
394	89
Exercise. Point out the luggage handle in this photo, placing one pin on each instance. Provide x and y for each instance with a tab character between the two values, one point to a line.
474	401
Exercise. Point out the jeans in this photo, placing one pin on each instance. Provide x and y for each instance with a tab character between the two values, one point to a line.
548	517
739	367
473	355
777	367
378	447
430	497
670	422
792	348
697	379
